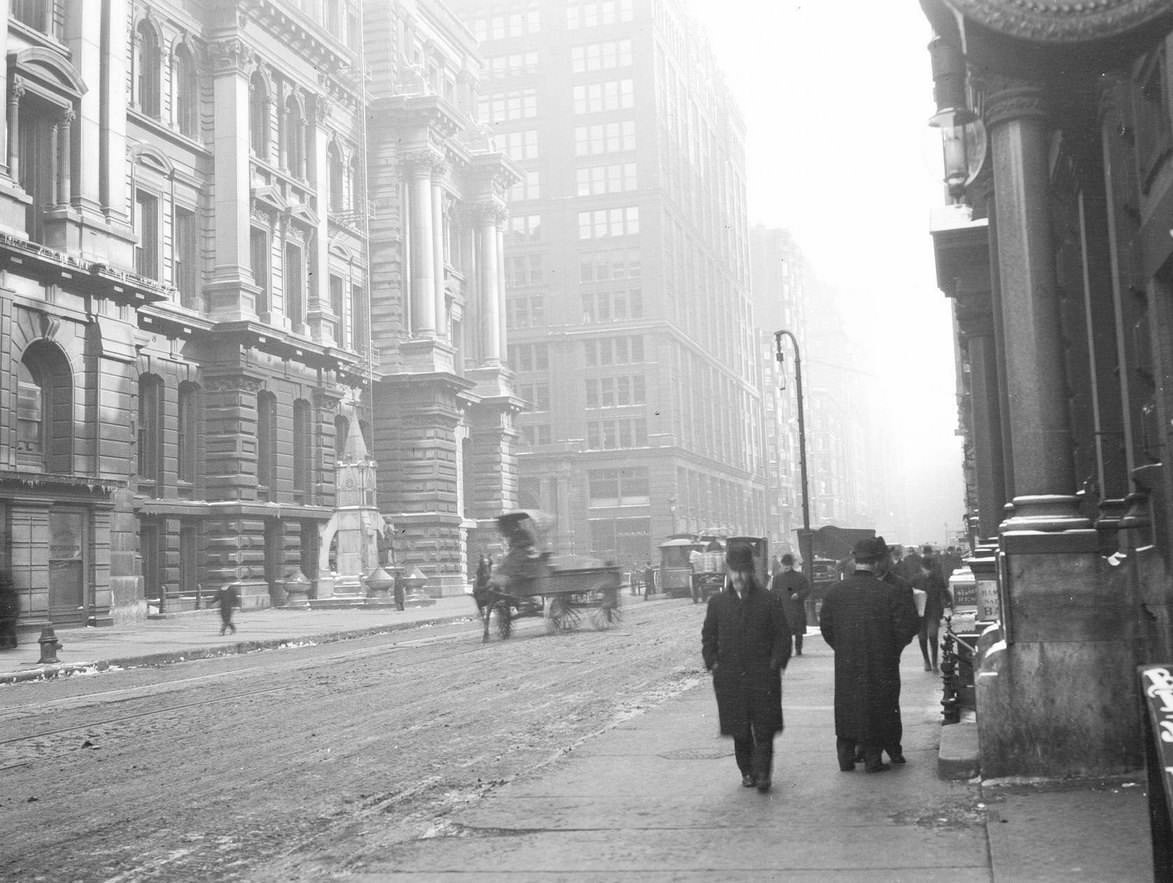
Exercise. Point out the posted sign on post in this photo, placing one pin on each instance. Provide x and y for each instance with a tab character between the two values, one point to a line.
1156	683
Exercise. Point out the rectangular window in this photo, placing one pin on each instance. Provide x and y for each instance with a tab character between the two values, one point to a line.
336	287
188	557
258	246
358	319
146	225
294	287
186	260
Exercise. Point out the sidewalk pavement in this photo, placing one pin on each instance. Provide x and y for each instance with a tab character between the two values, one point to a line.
658	796
195	634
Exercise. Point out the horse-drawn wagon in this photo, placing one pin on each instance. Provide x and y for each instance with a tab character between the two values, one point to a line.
531	581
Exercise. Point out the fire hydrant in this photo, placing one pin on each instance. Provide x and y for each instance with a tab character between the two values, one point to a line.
49	645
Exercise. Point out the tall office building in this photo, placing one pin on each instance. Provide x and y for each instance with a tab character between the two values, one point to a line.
626	271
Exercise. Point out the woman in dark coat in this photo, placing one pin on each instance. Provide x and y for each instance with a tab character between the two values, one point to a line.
867	626
745	642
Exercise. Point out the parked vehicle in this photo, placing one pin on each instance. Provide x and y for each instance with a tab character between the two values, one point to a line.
675	574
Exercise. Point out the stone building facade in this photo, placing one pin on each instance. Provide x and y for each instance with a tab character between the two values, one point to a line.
1055	249
230	235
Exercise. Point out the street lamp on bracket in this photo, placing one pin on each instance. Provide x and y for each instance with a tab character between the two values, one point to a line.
805	537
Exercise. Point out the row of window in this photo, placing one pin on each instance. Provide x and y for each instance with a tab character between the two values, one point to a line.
591	57
618	487
617	137
616	305
601	97
598	12
600	56
605	223
624	350
608	435
616	392
595	180
501	25
514	65
518	104
596	266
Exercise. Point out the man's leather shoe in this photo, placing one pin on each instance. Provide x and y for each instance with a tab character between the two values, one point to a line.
747	781
898	757
763	784
876	768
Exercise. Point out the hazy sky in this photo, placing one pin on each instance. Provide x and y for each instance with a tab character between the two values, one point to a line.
837	95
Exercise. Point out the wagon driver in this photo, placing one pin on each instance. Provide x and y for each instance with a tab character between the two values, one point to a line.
745	642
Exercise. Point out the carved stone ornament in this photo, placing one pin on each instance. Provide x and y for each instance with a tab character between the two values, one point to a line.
233	383
426	162
1063	21
491	212
230	56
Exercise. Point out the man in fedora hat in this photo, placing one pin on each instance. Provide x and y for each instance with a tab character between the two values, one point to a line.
866	624
745	642
901	590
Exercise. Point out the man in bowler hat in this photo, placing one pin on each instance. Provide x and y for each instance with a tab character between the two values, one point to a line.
866	623
745	642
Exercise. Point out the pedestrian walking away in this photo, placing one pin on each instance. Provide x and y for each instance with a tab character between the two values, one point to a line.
792	589
905	597
228	597
937	598
866	624
745	643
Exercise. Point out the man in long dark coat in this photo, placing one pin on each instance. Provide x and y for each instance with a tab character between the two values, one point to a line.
901	590
745	642
792	589
867	626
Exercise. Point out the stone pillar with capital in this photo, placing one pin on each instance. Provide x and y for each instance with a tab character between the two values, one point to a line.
1055	694
490	217
320	312
231	293
439	169
422	231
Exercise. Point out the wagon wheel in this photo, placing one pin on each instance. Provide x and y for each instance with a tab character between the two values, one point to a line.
561	615
608	613
500	619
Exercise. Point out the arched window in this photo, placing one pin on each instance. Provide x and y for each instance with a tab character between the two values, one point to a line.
337	188
44	409
150	434
189	432
258	116
185	85
303	446
147	69
266	445
294	138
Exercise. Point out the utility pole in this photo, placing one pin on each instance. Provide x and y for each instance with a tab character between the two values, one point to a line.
805	536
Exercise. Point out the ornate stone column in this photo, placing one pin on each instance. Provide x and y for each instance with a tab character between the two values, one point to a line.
13	151
490	217
1040	436
231	293
1054	684
319	310
423	276
439	169
64	130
